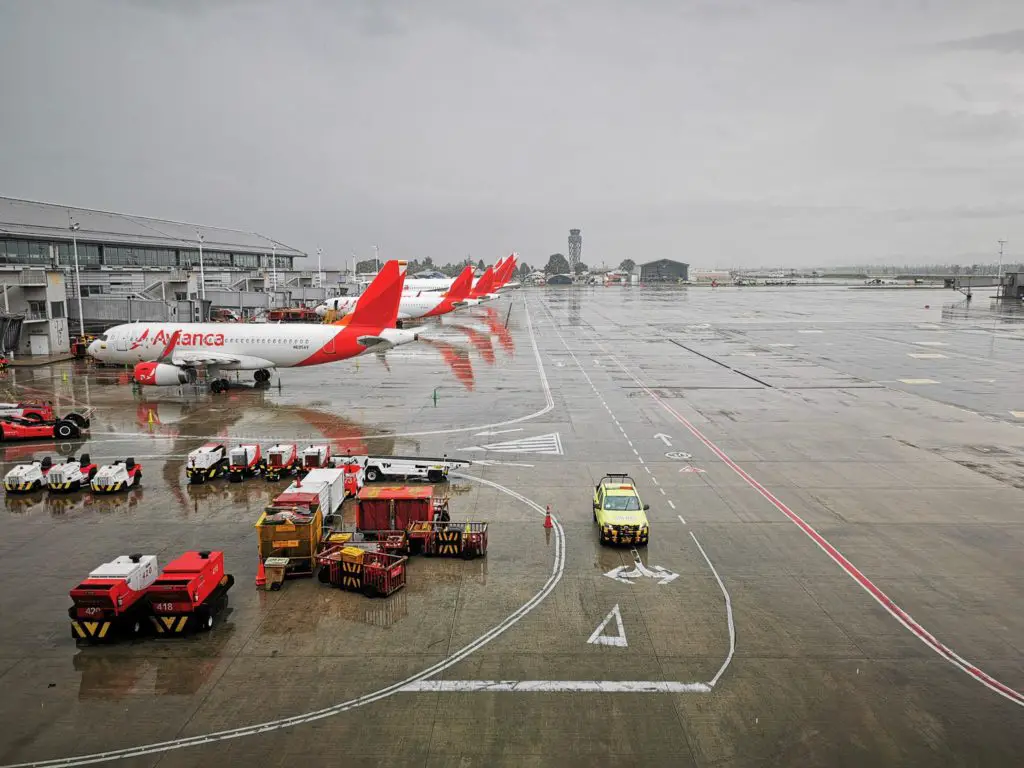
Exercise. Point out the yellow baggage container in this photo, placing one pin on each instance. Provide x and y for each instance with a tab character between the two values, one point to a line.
339	537
298	540
352	554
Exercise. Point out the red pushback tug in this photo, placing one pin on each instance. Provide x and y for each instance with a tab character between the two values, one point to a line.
190	593
110	603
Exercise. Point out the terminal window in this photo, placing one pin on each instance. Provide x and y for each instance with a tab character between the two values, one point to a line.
56	309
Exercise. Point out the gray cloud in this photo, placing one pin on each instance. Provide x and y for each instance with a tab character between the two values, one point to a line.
1011	41
717	132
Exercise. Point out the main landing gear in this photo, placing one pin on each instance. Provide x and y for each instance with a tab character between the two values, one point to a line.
219	385
262	375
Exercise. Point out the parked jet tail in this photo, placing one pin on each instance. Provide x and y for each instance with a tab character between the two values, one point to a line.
461	285
378	306
484	285
508	269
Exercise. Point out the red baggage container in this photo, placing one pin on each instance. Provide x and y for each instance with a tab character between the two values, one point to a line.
394	508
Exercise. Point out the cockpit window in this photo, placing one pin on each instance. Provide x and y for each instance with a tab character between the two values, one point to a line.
103	337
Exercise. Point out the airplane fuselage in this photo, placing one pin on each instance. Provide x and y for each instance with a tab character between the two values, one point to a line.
243	346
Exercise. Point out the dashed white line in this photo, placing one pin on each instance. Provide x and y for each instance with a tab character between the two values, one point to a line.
680	517
647	469
662	491
655	481
671	503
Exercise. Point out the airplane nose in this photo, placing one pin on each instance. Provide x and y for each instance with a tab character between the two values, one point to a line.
92	348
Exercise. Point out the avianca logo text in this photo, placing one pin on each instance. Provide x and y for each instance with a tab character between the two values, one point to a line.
184	339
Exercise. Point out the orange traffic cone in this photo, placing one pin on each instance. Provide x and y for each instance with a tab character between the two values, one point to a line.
261	575
547	518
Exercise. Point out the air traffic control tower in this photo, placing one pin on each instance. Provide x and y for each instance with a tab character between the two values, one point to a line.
575	249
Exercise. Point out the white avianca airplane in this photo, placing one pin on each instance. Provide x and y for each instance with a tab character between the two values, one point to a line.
168	354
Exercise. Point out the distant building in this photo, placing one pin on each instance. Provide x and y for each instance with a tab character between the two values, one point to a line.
710	276
560	280
663	271
140	268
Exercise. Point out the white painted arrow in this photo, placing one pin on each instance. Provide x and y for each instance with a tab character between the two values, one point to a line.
623	574
691	468
599	638
664	438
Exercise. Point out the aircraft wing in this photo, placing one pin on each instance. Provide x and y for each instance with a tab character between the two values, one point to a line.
206	357
371	341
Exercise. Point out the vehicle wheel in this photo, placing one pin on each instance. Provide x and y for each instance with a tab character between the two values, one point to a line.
434	476
77	418
66	429
324	574
369	590
208	622
1	433
372	474
215	386
36	485
136	627
595	515
262	375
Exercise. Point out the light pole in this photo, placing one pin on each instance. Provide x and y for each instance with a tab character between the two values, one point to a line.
999	269
319	268
73	226
202	274
273	266
376	257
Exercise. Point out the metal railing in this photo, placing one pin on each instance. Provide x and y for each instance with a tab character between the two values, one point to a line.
32	277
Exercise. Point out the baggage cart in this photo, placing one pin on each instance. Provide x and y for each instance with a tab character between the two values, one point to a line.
467	540
375	574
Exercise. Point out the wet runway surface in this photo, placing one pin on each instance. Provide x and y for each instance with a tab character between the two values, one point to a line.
835	478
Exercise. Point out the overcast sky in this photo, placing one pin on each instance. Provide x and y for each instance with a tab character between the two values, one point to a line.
717	132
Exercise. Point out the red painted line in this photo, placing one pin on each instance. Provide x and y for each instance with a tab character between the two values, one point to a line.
869	586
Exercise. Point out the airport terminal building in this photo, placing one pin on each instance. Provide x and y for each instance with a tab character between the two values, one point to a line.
135	268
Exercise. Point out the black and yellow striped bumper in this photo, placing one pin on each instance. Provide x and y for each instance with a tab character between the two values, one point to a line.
67	485
202	475
172	625
120	485
91	630
18	487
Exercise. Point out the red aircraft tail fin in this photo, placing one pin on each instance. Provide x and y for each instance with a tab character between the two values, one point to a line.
378	306
461	285
484	285
508	269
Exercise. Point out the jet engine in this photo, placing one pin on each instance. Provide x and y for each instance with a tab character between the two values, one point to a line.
160	374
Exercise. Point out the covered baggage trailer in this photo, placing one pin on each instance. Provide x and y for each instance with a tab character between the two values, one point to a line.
393	508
